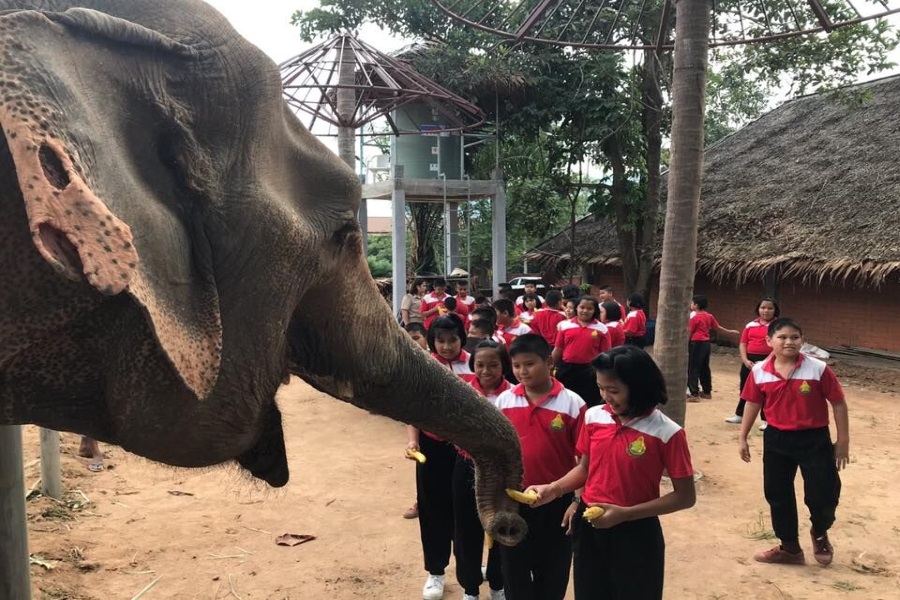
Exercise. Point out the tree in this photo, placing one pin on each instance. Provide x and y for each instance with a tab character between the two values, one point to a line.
676	280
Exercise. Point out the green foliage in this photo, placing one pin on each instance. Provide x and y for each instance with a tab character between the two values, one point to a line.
378	255
559	109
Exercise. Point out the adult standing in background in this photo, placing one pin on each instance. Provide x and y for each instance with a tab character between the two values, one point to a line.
411	305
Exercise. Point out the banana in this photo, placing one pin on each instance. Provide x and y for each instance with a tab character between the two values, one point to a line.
522	497
415	454
592	512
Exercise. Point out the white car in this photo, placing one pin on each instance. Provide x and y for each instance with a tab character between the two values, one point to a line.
518	283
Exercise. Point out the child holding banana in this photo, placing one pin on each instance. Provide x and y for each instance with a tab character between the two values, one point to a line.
435	461
489	360
548	419
625	446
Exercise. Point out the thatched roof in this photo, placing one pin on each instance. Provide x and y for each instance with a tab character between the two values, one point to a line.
811	189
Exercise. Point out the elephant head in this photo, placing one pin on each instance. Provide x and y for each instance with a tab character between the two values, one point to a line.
174	241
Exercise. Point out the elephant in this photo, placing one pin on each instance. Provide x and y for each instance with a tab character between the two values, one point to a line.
174	242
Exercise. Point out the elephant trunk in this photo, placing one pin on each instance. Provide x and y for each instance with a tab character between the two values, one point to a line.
363	357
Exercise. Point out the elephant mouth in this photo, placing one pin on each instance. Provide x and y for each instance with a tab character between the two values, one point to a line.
267	459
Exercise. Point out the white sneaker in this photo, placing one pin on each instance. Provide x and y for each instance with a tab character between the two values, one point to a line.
469	597
736	419
498	594
434	588
763	425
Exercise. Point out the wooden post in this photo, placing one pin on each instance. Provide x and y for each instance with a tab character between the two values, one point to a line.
51	483
498	233
15	579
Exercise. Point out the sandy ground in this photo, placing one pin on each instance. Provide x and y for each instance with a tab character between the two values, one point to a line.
211	533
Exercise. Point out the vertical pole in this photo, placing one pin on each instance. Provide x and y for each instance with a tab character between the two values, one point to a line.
452	236
15	579
398	239
51	484
346	110
498	233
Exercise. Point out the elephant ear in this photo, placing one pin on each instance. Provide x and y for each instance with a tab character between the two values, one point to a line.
72	225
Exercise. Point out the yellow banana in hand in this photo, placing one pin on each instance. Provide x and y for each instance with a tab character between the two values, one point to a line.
592	512
415	454
528	498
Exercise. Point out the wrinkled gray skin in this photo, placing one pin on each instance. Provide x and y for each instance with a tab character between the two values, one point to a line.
173	242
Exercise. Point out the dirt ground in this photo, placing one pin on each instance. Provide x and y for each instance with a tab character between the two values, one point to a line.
211	533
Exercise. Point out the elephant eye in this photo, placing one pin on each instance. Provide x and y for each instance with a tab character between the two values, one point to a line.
348	233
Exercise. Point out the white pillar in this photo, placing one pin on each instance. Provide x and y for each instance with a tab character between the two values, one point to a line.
51	483
498	234
15	579
451	242
398	238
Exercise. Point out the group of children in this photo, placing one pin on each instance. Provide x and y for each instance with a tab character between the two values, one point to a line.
583	397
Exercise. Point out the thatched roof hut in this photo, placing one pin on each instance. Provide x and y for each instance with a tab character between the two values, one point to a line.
809	191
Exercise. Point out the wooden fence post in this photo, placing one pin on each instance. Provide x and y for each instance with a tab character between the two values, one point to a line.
51	483
15	579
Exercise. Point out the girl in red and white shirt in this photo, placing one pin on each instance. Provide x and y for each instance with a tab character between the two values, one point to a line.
625	446
578	342
754	348
489	361
635	325
611	316
434	477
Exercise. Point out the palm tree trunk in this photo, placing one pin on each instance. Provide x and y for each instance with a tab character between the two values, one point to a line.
680	238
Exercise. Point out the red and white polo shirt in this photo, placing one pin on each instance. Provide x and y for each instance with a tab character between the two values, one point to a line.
459	366
754	336
547	430
798	402
545	321
581	343
616	333
700	324
626	462
430	301
511	332
635	323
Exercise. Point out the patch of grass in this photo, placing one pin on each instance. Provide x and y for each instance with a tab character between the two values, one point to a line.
56	513
847	586
759	530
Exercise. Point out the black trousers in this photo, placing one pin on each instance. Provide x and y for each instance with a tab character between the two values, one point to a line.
745	373
538	568
810	450
581	379
698	367
434	494
468	535
625	562
640	341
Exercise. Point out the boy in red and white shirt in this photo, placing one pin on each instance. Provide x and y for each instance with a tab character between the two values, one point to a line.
507	323
464	302
700	324
548	419
546	319
796	390
626	445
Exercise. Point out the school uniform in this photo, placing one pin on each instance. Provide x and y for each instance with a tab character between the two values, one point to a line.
580	344
521	299
434	487
464	306
468	533
754	336
625	465
797	436
431	300
511	332
635	324
699	347
545	321
538	568
616	333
